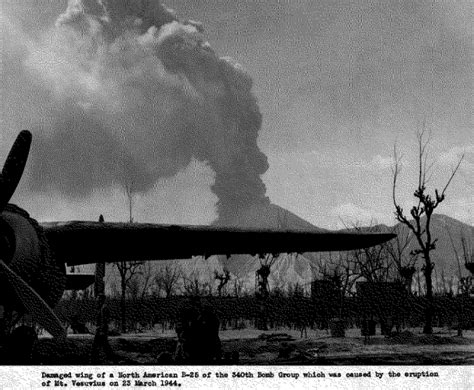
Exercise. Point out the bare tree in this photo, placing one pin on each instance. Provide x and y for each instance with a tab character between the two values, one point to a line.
222	278
127	272
193	285
147	274
338	267
465	282
133	288
344	274
468	253
262	286
320	267
167	279
404	261
263	273
268	259
424	207
385	277
372	263
338	273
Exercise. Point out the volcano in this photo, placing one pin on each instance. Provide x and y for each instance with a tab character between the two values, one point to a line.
288	268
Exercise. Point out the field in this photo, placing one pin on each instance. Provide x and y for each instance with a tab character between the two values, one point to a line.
285	347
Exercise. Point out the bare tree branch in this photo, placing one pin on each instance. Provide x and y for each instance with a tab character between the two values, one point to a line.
425	207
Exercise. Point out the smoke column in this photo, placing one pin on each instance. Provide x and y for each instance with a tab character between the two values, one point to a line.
137	94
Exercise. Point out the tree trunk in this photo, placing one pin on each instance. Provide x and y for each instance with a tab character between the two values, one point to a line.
428	328
263	307
99	285
122	308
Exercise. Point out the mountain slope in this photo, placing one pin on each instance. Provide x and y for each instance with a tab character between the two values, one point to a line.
290	270
444	256
285	269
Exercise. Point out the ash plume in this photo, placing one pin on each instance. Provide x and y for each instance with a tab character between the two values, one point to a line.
137	94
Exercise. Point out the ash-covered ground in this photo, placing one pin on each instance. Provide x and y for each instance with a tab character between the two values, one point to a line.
282	347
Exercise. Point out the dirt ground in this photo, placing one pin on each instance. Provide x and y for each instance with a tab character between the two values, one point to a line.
282	347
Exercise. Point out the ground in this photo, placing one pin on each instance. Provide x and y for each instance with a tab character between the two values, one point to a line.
282	347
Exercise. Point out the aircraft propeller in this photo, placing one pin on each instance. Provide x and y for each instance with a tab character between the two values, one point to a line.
9	178
14	167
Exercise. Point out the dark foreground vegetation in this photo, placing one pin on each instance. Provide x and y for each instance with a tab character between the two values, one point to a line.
395	313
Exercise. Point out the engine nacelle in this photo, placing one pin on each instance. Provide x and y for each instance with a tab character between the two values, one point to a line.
24	248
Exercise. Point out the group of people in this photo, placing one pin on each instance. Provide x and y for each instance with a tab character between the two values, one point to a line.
198	335
197	330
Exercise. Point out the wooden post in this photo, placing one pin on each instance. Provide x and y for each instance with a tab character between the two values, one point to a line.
99	285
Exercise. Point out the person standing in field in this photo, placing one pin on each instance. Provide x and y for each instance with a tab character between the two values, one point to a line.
101	349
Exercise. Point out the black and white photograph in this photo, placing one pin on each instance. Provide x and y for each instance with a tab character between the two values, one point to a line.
215	183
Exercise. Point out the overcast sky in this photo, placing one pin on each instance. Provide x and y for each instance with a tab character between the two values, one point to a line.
338	84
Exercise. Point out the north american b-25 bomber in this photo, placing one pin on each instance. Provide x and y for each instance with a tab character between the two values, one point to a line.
33	256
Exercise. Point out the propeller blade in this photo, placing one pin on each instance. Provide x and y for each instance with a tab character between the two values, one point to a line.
14	166
34	304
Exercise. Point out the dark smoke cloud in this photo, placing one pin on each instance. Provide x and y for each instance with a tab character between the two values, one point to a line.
137	95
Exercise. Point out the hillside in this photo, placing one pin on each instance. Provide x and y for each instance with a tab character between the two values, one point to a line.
287	270
444	256
443	228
